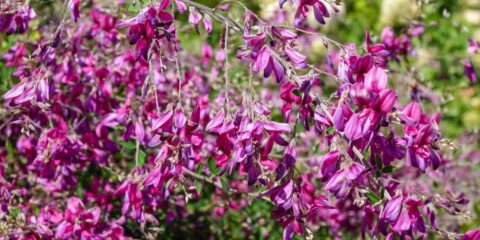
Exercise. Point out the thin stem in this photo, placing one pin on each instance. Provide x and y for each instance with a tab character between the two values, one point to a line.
214	14
216	184
137	152
339	45
227	68
241	4
203	178
325	73
177	64
151	76
445	234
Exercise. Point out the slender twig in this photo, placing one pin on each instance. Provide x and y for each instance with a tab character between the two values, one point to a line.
203	178
216	184
446	234
339	45
137	152
241	4
219	17
152	82
227	68
177	64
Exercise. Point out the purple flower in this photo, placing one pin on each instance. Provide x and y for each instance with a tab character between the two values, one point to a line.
392	209
376	79
163	121
473	46
73	6
470	71
410	218
319	8
17	21
353	128
297	58
341	182
472	235
385	100
329	164
207	24
399	45
194	18
276	127
78	222
144	28
410	117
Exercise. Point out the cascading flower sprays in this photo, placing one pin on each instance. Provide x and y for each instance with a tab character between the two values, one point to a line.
365	88
368	91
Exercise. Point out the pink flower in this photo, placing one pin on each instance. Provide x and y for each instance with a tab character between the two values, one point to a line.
73	6
376	79
341	182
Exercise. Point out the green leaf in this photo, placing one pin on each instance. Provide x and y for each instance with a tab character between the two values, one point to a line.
198	186
372	197
13	212
297	92
127	145
199	169
36	211
80	190
212	166
225	184
379	161
388	169
142	156
134	7
330	130
10	151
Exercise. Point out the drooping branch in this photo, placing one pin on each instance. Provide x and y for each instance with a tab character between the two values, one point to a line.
219	17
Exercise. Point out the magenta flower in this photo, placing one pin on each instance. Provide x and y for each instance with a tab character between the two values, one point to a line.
471	234
353	128
297	58
376	79
410	218
78	222
319	8
420	152
329	164
470	71
473	46
399	46
73	6
143	28
343	180
392	210
16	22
385	101
194	18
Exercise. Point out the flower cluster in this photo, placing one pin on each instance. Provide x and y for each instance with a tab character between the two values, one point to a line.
320	9
15	18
